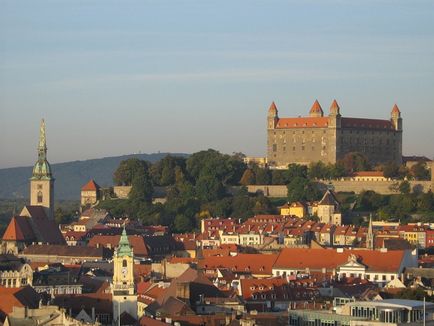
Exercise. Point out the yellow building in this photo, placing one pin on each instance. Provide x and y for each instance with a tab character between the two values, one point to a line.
297	209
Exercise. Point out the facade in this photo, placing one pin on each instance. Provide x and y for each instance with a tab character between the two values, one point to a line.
328	209
14	272
123	288
304	140
90	193
42	181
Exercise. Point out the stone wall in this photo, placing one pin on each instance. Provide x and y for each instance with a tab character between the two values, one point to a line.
122	192
381	187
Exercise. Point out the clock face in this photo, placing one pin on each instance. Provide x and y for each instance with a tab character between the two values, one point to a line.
124	271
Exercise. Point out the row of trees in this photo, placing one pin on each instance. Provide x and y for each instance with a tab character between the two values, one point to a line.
196	188
401	206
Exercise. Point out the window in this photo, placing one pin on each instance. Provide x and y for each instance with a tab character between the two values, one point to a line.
124	263
302	148
39	187
274	147
39	199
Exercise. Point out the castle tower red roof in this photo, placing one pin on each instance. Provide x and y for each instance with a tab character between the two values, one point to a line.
396	109
334	108
90	186
273	108
316	110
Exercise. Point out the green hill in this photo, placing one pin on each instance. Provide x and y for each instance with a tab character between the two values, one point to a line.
70	176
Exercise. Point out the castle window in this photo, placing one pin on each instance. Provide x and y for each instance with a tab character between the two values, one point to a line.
313	148
274	147
39	187
293	148
39	199
124	263
302	148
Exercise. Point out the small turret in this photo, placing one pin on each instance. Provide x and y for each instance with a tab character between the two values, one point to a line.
335	110
273	116
396	118
335	115
316	110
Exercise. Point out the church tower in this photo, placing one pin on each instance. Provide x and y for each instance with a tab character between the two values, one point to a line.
123	289
42	181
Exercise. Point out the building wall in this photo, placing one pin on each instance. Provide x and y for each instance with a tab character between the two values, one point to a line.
122	192
301	145
42	194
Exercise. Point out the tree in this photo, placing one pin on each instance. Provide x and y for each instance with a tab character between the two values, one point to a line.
390	170
262	176
163	171
182	224
296	189
142	188
296	170
420	172
354	162
318	170
209	188
404	187
241	204
125	173
248	178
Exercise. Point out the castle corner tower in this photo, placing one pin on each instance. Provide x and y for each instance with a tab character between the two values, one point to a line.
42	181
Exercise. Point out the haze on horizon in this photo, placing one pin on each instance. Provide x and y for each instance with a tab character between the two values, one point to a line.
117	77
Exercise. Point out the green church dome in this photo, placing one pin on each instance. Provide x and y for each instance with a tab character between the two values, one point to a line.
41	170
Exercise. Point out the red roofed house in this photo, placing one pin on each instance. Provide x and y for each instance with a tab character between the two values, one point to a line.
378	266
90	193
328	138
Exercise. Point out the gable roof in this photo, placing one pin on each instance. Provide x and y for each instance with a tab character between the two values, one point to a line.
329	199
241	263
19	229
317	259
136	242
302	122
33	211
18	297
63	250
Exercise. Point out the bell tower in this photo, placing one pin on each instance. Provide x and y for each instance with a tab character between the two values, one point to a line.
123	289
42	181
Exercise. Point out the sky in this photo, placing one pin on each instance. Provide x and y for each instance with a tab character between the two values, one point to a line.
121	77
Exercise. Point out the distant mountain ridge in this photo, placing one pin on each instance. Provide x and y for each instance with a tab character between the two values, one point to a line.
70	176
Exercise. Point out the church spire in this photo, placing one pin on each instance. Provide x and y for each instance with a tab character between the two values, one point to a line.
124	248
42	169
370	235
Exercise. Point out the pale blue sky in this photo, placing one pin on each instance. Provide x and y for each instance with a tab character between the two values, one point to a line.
116	77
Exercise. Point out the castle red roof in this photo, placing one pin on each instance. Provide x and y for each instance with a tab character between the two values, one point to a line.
395	109
316	108
334	106
368	174
302	122
90	186
273	108
366	123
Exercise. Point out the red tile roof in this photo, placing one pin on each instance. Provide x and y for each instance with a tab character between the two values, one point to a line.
241	263
395	109
302	122
368	174
273	108
112	241
316	108
19	229
366	123
17	297
317	259
334	106
90	186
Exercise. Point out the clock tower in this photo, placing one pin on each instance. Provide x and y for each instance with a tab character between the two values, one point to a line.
123	289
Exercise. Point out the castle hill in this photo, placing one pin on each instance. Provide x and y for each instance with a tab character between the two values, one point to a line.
211	163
